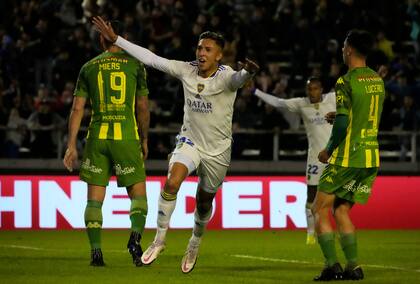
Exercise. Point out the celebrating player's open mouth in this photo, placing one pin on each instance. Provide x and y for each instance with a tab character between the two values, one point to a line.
201	62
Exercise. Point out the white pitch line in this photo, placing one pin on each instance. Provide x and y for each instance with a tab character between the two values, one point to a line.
22	247
307	262
272	259
47	249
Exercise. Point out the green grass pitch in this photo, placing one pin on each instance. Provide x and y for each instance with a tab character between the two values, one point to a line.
242	256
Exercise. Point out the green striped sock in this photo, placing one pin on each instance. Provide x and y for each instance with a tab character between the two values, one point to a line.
93	222
138	213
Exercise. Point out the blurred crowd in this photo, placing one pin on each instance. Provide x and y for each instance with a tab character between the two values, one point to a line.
44	43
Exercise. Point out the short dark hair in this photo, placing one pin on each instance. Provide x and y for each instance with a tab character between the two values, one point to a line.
118	28
360	40
218	38
313	79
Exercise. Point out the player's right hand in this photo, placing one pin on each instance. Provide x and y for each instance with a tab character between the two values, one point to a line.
323	156
330	117
105	29
249	66
70	158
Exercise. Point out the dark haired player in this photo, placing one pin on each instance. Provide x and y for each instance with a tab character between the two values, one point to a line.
115	84
352	155
204	142
313	110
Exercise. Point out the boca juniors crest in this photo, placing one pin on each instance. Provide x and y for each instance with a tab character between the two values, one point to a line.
200	87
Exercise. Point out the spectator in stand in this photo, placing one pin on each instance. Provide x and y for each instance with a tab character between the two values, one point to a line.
409	117
43	123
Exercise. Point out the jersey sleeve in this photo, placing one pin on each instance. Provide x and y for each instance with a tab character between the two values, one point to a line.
234	80
142	89
172	67
81	89
343	96
293	105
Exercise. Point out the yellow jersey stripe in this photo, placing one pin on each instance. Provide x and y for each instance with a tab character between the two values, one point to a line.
368	153
134	115
117	131
346	156
103	130
334	156
377	157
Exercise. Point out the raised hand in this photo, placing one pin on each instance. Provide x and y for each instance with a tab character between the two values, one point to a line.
105	29
249	66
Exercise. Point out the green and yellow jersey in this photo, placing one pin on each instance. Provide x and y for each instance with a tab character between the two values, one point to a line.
359	94
112	81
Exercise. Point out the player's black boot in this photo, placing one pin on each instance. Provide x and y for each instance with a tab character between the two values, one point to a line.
329	273
134	248
96	258
353	273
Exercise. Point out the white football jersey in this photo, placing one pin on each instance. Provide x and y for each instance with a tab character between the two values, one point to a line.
318	130
208	106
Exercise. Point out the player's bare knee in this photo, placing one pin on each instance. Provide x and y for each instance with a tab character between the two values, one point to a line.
316	208
172	186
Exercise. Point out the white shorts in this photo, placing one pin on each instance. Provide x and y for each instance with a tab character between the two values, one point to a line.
211	170
314	169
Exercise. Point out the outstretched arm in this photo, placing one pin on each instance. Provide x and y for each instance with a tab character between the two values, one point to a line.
270	99
249	69
142	54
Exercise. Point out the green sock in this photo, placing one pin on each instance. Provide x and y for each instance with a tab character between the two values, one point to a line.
138	213
93	222
349	246
327	243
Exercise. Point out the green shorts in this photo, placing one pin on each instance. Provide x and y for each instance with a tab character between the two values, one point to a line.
101	156
351	184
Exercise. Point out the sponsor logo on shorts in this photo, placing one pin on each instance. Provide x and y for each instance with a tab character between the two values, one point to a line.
124	171
86	165
363	188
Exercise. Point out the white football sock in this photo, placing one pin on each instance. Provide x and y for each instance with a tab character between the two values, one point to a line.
165	210
310	220
200	223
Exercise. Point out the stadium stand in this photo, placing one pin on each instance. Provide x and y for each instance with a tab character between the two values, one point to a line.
44	44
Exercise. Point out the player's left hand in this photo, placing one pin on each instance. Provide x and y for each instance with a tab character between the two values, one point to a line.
105	29
145	149
323	156
70	158
249	66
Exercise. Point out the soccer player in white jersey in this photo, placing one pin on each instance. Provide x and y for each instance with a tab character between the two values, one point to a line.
313	110
204	142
